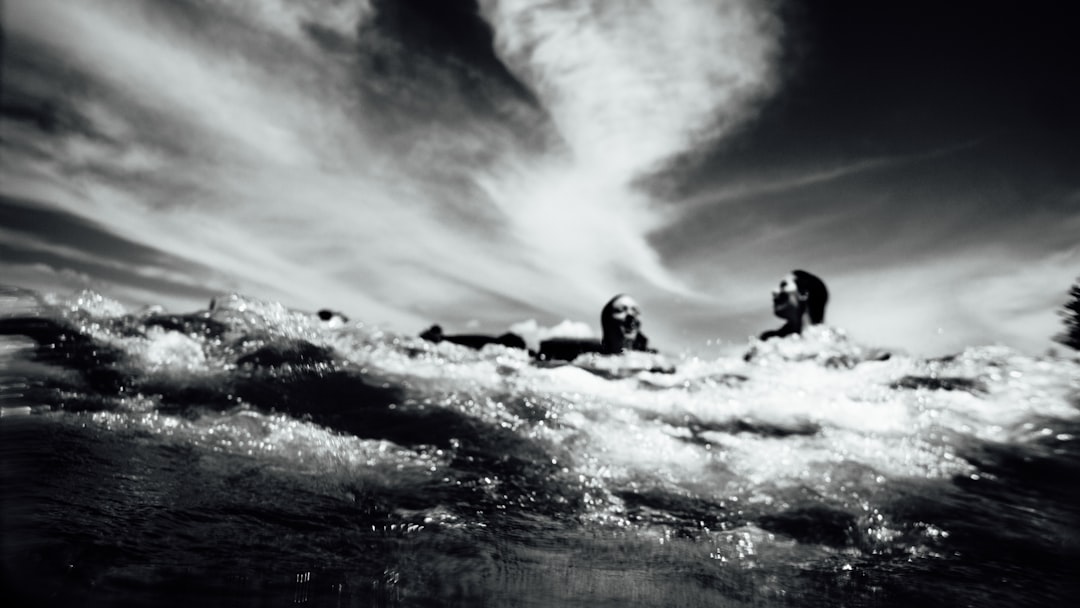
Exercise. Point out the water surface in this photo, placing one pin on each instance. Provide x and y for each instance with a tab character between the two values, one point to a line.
251	455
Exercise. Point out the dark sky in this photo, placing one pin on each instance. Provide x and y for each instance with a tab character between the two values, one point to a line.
917	74
881	79
482	163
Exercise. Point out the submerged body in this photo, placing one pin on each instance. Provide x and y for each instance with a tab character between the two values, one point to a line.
620	323
477	341
623	350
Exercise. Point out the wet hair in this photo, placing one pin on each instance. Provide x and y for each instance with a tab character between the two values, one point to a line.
817	295
607	312
326	314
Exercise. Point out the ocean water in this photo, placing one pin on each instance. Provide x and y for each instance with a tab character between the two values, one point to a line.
251	455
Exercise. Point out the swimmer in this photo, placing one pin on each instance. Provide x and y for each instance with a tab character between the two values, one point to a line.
623	350
800	301
511	340
620	321
333	318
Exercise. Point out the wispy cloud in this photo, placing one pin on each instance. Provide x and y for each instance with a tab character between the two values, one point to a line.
983	296
784	181
630	85
929	251
352	155
627	88
324	170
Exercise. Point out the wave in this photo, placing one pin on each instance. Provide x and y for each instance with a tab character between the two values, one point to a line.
802	447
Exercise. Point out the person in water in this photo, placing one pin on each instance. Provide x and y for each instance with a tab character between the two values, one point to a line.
620	321
332	317
800	301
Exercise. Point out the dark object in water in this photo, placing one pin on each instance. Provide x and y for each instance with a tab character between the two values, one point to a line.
800	301
940	384
329	315
477	341
816	524
196	324
62	344
568	349
686	514
300	352
620	320
845	361
764	429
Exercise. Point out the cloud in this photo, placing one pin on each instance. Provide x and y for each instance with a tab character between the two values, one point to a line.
630	85
929	252
778	182
982	297
1017	298
311	155
290	18
992	294
157	66
627	88
384	159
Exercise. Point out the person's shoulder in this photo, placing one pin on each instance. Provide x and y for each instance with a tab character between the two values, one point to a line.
512	340
641	343
776	333
475	341
432	334
567	349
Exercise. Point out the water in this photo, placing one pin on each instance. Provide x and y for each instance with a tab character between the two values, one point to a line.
251	455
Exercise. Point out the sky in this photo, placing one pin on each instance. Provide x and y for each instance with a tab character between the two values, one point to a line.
481	163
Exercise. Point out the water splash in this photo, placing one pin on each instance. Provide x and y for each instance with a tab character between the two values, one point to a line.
754	472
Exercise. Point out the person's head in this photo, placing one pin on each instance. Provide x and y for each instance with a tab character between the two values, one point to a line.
432	334
621	323
333	317
801	293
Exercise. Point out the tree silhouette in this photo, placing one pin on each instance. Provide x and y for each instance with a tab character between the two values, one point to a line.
1071	313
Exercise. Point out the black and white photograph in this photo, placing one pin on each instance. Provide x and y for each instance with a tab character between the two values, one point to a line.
539	303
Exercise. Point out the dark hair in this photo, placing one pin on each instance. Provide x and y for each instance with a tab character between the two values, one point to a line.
816	292
611	342
606	312
612	338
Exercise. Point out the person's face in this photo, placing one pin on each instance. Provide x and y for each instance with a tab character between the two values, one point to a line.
786	300
627	315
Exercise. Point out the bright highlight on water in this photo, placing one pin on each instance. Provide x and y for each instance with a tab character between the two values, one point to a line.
493	171
252	454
